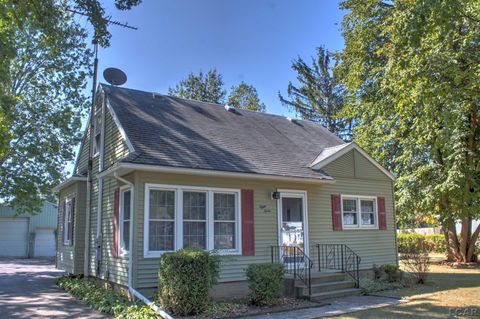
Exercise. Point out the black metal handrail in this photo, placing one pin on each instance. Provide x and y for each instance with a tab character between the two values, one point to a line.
339	257
295	261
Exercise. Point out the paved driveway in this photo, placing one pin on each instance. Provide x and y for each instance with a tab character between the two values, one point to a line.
28	290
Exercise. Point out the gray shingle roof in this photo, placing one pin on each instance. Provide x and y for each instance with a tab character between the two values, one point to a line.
170	131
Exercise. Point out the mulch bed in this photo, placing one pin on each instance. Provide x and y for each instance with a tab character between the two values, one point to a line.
240	308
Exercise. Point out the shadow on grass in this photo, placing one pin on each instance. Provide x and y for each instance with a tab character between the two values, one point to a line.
421	308
440	278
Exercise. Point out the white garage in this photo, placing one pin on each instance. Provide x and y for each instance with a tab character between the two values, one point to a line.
13	237
44	243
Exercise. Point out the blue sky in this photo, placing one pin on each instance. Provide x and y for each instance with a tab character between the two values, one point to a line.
245	40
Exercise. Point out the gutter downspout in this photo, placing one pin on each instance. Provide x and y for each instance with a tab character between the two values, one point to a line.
132	291
152	306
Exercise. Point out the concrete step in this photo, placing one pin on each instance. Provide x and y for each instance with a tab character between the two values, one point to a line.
335	294
319	277
325	287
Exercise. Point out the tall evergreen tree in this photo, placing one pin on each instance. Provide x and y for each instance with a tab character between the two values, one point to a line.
201	87
318	97
413	72
245	96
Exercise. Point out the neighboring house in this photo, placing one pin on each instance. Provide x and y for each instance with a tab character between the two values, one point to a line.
27	235
171	173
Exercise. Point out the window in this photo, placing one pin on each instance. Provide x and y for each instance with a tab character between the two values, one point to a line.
195	220
97	127
125	213
224	221
161	225
191	217
67	222
359	212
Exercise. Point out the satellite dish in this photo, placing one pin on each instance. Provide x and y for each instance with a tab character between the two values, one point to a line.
115	76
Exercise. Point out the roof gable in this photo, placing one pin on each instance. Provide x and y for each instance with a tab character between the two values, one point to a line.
331	154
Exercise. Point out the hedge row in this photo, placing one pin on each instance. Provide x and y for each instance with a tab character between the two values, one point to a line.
435	242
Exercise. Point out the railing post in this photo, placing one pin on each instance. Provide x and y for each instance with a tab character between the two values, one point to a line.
271	253
318	257
294	263
358	272
309	282
343	253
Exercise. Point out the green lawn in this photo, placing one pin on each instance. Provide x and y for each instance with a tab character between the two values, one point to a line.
447	288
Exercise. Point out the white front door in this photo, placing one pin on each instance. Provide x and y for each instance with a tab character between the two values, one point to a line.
292	216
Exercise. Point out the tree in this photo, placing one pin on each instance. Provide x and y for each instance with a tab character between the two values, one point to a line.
44	66
245	96
319	95
201	87
412	70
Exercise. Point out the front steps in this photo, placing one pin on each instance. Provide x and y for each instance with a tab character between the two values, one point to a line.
326	286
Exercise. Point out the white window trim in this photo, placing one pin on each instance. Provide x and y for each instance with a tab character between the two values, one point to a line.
178	239
294	193
359	225
66	219
121	245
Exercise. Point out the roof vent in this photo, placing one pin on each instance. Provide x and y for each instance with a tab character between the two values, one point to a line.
292	120
229	108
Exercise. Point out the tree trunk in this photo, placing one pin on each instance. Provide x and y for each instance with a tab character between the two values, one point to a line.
471	248
465	237
453	252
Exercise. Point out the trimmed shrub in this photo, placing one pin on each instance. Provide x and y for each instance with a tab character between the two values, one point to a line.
185	277
265	282
434	243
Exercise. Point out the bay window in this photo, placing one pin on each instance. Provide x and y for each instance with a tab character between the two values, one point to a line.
191	217
359	212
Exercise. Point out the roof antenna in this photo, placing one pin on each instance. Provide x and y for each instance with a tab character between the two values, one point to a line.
115	76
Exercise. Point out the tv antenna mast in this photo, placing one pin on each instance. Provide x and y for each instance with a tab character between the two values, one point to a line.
115	76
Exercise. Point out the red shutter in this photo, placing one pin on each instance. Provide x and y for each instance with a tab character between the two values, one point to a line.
336	212
63	222
72	220
382	214
248	226
116	216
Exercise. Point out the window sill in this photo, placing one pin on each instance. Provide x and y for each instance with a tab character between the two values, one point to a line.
344	227
158	254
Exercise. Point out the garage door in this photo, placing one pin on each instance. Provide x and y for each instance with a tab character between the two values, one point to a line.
13	237
44	243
